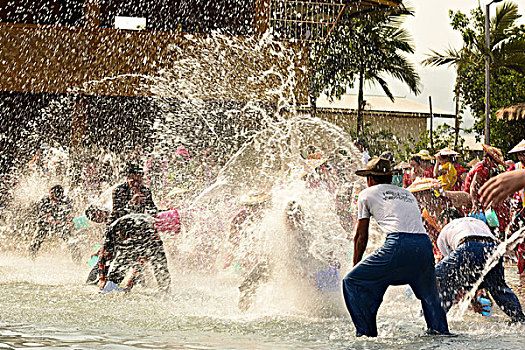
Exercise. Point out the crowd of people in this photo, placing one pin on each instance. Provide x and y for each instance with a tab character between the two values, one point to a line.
442	224
444	214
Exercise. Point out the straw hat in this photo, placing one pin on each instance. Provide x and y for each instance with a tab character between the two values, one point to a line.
447	151
495	153
423	154
314	161
176	191
255	197
520	147
473	162
423	184
402	165
377	166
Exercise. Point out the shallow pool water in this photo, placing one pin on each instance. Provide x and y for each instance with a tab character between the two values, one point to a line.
45	305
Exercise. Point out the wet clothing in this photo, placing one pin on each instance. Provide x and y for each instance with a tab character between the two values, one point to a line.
404	259
54	218
132	241
122	196
395	209
458	186
463	267
457	230
483	175
450	177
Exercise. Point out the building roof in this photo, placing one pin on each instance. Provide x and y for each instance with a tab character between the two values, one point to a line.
515	112
471	143
376	104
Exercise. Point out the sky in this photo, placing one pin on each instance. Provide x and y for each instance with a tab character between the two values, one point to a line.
430	29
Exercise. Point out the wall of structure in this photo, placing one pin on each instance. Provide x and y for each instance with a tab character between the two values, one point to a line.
403	128
51	59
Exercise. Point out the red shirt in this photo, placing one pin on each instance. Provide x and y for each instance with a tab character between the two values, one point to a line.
483	175
503	209
429	172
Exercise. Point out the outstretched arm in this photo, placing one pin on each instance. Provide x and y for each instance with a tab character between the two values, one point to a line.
360	239
498	188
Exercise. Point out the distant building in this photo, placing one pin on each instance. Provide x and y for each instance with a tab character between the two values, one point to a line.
70	75
403	117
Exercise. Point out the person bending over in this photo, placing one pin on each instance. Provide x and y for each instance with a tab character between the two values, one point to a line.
132	241
405	258
467	244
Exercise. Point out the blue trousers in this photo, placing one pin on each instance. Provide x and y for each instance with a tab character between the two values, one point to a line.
462	268
403	259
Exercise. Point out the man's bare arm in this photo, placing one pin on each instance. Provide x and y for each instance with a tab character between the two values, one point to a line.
498	188
360	239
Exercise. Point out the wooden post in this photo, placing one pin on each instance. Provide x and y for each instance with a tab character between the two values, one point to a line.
78	122
456	122
262	16
431	124
91	13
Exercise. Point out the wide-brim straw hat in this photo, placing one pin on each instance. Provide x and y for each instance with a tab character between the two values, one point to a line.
495	153
255	197
314	161
423	154
473	162
520	147
403	165
423	184
447	151
176	191
378	166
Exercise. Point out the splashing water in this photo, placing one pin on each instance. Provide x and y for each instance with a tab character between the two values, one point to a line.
296	233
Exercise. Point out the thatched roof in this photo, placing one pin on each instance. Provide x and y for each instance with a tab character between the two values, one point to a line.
515	112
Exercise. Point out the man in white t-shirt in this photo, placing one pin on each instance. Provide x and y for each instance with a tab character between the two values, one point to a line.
405	258
361	146
467	244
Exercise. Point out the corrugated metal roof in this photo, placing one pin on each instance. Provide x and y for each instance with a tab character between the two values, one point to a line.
376	103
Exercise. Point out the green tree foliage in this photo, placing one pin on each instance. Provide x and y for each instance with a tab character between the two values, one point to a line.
364	49
507	53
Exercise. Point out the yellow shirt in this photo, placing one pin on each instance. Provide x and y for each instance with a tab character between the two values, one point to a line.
449	179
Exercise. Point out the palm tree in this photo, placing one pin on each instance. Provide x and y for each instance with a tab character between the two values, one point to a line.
505	51
365	49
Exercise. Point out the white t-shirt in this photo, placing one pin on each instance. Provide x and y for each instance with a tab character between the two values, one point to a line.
394	208
458	229
366	157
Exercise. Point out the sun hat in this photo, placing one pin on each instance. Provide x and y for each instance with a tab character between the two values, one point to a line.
423	184
473	162
520	147
423	154
402	165
312	162
447	151
377	166
255	197
495	153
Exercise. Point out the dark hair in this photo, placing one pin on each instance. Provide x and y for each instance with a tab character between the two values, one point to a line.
416	159
133	169
450	213
382	179
360	142
57	191
93	213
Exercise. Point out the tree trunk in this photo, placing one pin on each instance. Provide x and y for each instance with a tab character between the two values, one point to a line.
456	123
360	102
